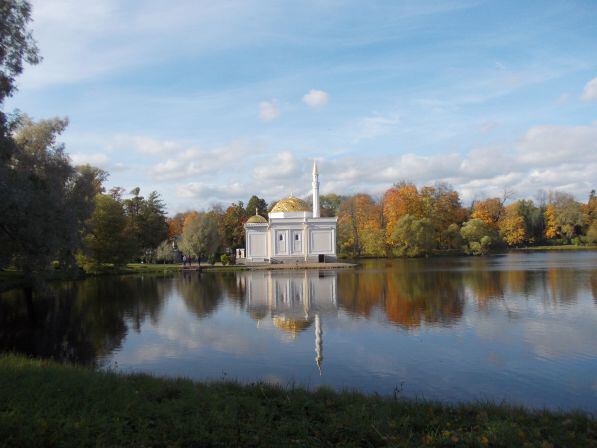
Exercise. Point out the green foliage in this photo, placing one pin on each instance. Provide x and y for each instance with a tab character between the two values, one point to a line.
200	235
413	237
478	236
329	204
44	200
211	259
256	203
225	259
165	253
17	45
109	239
146	221
75	406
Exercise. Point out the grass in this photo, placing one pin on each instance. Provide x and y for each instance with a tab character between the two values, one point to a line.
47	404
560	247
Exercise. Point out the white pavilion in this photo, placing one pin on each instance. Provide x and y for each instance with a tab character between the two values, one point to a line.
293	233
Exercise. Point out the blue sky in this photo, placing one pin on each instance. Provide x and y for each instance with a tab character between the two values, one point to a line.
211	102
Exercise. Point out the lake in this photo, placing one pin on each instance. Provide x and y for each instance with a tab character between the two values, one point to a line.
520	327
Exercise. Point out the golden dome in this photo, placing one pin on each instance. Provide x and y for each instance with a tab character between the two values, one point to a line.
291	326
291	204
256	219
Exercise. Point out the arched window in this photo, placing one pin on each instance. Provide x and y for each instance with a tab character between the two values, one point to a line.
281	237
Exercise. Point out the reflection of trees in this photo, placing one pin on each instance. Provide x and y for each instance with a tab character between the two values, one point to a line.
360	291
414	296
594	285
202	293
78	321
407	292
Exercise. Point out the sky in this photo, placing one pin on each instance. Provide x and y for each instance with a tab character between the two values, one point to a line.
213	101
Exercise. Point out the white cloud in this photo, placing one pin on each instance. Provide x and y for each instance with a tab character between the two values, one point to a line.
195	161
146	145
316	98
375	126
97	159
268	110
590	91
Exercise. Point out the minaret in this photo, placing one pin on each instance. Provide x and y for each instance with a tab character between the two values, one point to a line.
315	190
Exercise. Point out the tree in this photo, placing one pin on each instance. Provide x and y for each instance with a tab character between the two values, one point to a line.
564	217
402	199
479	236
413	237
175	225
490	211
256	203
512	226
166	253
200	236
108	239
44	200
330	204
17	45
359	226
146	220
232	229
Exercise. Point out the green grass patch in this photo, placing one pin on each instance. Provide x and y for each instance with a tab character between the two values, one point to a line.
559	247
47	404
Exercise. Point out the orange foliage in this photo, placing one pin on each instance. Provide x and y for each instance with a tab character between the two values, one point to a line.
490	211
512	227
551	228
402	199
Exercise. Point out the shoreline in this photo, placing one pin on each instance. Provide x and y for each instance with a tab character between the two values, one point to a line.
46	403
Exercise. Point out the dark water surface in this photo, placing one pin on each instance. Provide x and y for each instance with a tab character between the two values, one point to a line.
519	327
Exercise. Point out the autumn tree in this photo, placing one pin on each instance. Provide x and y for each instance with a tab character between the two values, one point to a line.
232	229
359	226
564	217
490	211
175	225
512	226
401	199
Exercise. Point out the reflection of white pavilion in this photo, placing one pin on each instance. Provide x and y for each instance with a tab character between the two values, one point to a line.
293	300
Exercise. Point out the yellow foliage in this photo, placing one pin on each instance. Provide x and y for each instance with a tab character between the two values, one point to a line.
512	227
490	211
551	229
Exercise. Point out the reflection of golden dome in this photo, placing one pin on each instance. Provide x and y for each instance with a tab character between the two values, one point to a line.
291	204
290	325
256	219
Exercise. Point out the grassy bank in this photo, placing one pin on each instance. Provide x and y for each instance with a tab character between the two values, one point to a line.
566	247
47	404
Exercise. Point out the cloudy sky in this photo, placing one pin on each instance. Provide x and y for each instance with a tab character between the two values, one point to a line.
213	101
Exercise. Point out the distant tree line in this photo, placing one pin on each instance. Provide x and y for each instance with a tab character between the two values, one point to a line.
409	221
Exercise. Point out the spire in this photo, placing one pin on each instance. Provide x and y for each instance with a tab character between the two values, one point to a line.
315	190
318	343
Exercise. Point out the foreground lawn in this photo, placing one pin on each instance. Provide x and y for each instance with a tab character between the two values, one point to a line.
47	404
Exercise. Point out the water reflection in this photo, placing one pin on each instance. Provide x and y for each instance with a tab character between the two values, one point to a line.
520	326
292	300
78	321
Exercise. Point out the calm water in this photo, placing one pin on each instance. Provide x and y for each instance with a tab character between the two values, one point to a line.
519	327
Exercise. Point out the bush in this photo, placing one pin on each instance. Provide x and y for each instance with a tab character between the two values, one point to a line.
211	259
225	259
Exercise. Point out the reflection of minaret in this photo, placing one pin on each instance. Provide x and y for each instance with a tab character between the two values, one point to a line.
318	343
